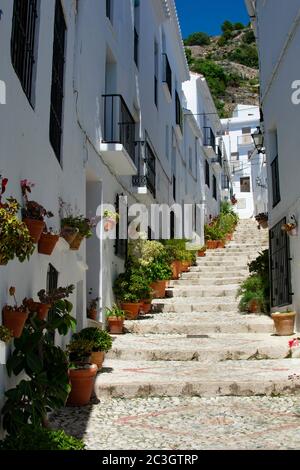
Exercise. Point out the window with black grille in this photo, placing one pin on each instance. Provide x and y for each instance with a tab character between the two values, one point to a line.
207	176
174	187
178	111
281	292
214	187
23	43
275	182
136	47
57	88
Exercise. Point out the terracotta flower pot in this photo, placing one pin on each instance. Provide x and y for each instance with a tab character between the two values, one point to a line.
14	320
69	234
146	306
175	273
179	267
97	358
284	323
212	244
220	244
201	254
131	310
253	306
82	383
159	289
75	245
115	325
92	314
47	243
35	228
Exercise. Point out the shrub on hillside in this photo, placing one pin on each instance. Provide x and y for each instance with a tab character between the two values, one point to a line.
197	39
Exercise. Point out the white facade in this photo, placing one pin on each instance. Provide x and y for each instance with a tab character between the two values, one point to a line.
249	177
279	69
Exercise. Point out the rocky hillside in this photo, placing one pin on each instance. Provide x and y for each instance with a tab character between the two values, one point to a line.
230	64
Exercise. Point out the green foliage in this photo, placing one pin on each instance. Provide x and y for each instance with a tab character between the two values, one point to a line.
249	37
79	223
252	288
132	285
246	55
30	437
197	39
227	26
260	267
101	340
213	232
176	250
5	334
115	311
143	252
46	366
238	26
15	240
189	56
159	270
79	349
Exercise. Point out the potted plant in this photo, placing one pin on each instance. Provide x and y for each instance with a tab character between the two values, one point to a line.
75	227
15	239
158	273
48	299
33	214
284	322
93	303
214	236
101	343
262	219
129	289
291	227
81	372
48	241
202	252
252	295
14	318
109	220
115	318
5	338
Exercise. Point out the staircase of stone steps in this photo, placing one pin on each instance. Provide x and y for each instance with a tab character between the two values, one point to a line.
196	342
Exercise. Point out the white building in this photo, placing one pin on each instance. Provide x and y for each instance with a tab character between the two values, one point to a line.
278	36
249	176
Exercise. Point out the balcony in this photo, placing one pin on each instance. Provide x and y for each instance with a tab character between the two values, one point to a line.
209	142
118	143
217	163
144	182
245	140
167	76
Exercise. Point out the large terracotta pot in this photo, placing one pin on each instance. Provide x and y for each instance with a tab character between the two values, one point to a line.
35	228
92	314
115	325
97	358
82	383
159	289
131	310
212	244
284	323
14	321
75	245
174	267
47	243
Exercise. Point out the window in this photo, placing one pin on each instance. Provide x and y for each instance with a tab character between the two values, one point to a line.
136	47
275	182
214	187
178	111
155	73
234	156
245	185
280	266
23	42
225	182
246	130
167	78
109	9
57	89
207	176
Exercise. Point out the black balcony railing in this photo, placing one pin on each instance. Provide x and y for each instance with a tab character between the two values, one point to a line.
146	165
167	73
209	137
119	125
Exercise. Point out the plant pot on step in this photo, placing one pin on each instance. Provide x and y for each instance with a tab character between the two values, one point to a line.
131	309
82	380
201	254
284	323
253	306
75	245
159	289
178	267
115	325
97	357
212	244
175	273
69	233
47	243
146	306
35	228
220	244
14	320
92	314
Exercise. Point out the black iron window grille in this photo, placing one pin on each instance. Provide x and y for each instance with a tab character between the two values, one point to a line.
121	244
119	125
23	42
207	174
174	187
214	187
275	182
146	165
225	182
178	111
167	73
281	292
57	88
209	137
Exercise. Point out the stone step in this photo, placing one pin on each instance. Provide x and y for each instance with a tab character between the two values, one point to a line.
196	291
229	253
229	259
189	325
200	281
214	347
236	268
129	379
192	304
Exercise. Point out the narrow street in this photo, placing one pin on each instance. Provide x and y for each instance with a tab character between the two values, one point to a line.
196	373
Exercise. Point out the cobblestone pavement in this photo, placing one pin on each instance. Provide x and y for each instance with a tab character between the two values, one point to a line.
186	423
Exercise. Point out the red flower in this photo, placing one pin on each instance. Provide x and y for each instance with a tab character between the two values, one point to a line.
3	185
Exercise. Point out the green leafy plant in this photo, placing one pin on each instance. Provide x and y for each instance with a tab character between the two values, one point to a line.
5	334
46	367
260	267
79	350
133	285
111	215
100	339
252	288
159	270
78	222
114	312
15	239
213	232
30	437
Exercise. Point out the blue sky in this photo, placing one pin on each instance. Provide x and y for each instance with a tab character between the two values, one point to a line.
208	15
